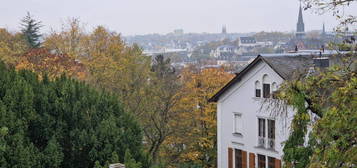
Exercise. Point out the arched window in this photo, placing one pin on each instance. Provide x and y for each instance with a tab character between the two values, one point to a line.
258	88
274	88
266	86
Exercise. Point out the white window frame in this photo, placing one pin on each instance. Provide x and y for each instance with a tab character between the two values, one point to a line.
266	125
235	126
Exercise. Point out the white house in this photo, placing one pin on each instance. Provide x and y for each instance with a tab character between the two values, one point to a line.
225	52
249	135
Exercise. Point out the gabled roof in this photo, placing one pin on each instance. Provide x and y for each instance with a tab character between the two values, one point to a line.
284	66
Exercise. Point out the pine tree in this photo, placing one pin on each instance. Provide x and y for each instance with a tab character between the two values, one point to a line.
31	31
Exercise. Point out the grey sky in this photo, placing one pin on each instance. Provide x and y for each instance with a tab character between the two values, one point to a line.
162	16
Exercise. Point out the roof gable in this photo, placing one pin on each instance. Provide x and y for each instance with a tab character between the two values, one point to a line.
285	67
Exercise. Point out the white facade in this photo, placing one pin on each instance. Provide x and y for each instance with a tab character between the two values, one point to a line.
238	111
224	49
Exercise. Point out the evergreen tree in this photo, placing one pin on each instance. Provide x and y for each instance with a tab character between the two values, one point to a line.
62	123
31	31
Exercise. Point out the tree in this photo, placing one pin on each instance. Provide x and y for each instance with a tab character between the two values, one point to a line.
12	45
194	139
111	65
70	40
130	162
163	88
44	62
326	101
31	31
331	96
336	7
62	123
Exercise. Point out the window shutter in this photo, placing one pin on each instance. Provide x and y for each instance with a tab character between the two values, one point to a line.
277	163
251	160
230	158
244	159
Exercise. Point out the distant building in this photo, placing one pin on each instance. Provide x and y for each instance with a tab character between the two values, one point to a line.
300	26
247	42
323	33
225	52
178	32
224	29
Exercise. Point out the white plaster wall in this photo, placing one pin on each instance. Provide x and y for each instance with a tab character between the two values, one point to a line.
241	98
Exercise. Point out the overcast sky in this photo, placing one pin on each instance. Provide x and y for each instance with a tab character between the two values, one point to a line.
131	17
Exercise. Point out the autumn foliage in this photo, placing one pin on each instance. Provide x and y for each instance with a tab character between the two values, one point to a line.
45	62
194	140
177	122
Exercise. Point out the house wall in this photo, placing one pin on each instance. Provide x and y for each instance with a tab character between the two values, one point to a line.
241	99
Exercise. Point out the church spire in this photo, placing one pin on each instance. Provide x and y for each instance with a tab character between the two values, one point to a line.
300	26
301	19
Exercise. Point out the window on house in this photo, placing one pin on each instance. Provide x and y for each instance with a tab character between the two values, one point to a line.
266	90
266	86
271	134
257	89
271	162
261	161
238	158
274	89
238	123
261	132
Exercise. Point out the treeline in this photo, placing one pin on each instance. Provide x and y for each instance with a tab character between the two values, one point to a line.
177	127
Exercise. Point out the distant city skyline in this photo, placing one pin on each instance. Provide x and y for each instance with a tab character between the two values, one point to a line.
137	17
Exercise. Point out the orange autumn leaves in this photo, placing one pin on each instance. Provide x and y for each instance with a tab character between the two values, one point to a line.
45	62
194	140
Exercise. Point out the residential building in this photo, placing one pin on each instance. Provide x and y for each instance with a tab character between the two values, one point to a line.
225	52
247	42
249	134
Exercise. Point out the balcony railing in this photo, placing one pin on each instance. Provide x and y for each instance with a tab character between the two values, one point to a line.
267	143
271	143
261	142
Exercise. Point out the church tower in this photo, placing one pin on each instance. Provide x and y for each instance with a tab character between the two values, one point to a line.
224	29
300	26
323	33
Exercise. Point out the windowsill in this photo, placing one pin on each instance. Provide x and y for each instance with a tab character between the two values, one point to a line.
267	149
262	98
257	98
237	134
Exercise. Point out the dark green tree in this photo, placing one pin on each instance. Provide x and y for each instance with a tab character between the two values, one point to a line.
62	123
31	31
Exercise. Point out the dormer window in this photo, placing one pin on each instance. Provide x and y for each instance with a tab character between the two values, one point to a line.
258	89
266	86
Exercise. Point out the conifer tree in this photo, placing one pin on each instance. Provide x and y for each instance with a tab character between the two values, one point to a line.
31	31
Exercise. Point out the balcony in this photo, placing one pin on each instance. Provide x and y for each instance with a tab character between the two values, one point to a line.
266	143
261	142
271	143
